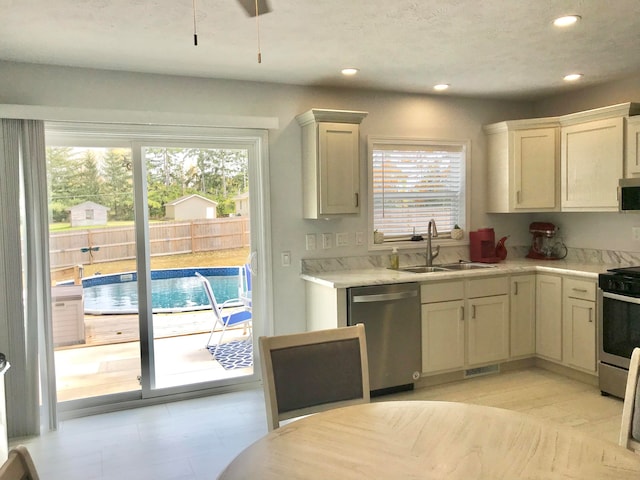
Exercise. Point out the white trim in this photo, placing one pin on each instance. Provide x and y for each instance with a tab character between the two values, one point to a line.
141	117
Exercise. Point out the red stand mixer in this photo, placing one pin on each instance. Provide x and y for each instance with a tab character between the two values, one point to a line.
545	245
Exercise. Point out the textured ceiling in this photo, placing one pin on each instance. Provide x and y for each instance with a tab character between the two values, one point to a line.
483	48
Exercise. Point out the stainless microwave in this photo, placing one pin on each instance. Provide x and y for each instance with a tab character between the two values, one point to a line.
629	195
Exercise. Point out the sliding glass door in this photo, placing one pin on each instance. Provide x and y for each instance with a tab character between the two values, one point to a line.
137	214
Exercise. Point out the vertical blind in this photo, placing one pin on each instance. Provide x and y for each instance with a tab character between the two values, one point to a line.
414	183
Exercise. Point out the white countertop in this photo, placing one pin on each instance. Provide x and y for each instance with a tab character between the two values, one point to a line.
379	276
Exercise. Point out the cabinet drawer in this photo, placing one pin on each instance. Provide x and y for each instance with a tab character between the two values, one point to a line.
582	289
487	287
441	292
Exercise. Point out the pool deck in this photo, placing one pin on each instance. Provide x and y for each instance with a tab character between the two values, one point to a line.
109	361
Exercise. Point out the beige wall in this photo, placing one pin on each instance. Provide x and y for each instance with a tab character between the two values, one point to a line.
390	114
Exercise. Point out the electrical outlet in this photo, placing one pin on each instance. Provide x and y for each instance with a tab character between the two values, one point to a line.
342	239
286	259
326	240
635	232
359	238
310	240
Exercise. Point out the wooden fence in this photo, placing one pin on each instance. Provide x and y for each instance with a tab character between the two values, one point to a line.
168	238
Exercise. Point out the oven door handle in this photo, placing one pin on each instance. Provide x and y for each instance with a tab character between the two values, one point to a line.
622	298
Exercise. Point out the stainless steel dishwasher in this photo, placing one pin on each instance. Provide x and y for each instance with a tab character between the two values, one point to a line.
391	316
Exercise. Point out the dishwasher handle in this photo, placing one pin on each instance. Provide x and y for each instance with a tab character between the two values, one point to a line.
383	297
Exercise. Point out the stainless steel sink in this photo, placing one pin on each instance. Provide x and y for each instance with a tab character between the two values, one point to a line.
465	266
423	269
447	267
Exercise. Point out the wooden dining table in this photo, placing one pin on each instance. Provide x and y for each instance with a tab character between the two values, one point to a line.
430	440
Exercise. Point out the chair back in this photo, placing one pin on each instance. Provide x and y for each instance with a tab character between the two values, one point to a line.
311	372
19	465
630	428
210	295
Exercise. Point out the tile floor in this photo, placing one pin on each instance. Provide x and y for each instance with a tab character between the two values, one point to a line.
195	439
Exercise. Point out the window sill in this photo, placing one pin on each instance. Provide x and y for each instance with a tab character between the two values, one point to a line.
421	245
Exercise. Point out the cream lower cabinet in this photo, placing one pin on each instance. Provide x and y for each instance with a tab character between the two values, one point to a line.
488	323
464	323
579	324
522	313
549	317
443	326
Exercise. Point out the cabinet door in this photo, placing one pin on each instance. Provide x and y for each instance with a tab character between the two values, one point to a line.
592	159
535	154
442	336
522	310
338	168
549	317
632	158
579	324
488	335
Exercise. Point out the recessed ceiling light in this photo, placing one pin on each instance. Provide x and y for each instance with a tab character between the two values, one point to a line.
566	21
441	86
572	77
349	71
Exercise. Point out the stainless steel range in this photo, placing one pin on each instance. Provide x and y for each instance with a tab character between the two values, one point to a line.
619	326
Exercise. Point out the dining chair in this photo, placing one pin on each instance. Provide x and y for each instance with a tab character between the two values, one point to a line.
310	372
630	428
19	465
241	317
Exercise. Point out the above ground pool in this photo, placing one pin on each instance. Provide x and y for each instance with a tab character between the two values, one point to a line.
172	290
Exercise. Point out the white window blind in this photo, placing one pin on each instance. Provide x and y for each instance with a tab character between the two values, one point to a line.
416	182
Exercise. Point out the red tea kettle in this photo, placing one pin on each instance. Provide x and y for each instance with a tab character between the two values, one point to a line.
501	250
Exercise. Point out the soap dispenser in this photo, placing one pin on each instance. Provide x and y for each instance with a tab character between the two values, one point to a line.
395	259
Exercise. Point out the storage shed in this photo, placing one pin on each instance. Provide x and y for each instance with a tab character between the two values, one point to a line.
191	207
88	214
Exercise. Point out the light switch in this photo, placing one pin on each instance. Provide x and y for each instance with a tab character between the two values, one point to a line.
310	240
286	259
326	240
342	239
635	232
359	238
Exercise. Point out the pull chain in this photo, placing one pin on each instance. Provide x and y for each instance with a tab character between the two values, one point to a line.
258	31
195	32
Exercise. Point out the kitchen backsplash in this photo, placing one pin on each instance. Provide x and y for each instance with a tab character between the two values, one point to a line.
455	254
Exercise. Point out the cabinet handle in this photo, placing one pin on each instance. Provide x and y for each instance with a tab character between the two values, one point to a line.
581	290
590	315
473	311
515	288
461	314
518	196
357	200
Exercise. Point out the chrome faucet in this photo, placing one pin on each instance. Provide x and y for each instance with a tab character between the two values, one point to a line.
432	231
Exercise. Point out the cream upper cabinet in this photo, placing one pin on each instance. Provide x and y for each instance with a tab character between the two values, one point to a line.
522	312
330	162
549	316
592	158
523	166
632	157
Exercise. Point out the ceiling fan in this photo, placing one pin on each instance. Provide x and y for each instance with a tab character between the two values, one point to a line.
255	7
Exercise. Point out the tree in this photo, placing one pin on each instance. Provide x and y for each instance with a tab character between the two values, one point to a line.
117	190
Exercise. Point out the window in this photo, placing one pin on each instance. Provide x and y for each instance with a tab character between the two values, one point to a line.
414	181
